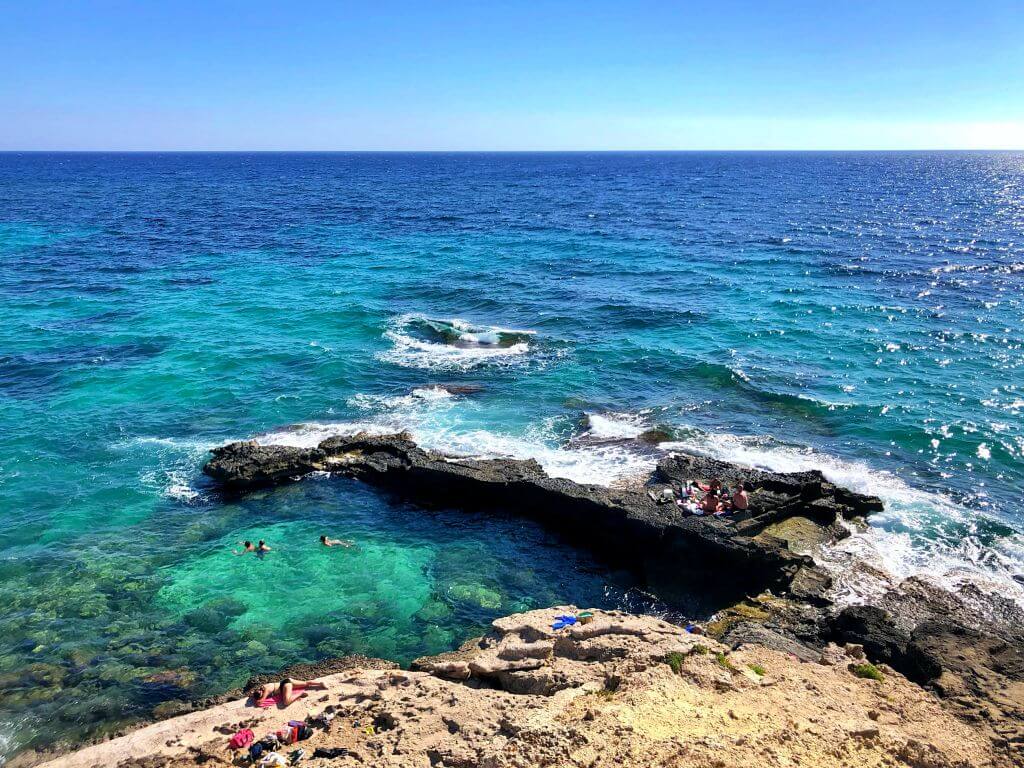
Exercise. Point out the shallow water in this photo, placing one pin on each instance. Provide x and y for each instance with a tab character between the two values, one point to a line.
857	312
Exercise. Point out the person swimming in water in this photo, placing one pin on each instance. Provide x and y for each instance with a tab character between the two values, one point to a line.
247	547
335	542
262	549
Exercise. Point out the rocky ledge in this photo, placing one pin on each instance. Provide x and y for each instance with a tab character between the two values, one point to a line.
626	524
621	690
966	648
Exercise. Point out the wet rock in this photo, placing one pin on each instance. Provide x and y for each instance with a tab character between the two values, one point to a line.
654	436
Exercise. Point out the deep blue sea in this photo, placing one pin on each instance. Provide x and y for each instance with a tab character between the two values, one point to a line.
862	313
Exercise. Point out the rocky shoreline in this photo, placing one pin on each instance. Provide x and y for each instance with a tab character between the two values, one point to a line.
764	588
619	690
957	659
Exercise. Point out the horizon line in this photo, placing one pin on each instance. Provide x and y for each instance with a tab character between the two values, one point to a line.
505	151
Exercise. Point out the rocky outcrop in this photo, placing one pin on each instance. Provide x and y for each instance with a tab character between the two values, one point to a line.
963	647
938	639
624	691
626	524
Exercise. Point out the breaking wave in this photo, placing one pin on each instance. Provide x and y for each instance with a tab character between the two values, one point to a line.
452	345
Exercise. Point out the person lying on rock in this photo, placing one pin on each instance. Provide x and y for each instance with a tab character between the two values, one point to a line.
335	542
286	692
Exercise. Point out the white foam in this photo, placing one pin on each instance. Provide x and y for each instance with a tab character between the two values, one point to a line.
901	541
600	465
414	353
311	433
477	345
179	459
422	397
613	426
597	465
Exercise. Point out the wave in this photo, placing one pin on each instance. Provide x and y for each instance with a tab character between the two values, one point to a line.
178	460
612	426
435	344
738	379
920	533
598	465
443	422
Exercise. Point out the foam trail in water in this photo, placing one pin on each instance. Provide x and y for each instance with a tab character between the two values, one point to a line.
178	460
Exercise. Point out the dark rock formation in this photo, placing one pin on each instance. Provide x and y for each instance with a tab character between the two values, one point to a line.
625	524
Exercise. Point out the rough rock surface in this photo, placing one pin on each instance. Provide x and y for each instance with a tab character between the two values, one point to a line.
625	523
621	691
966	647
978	670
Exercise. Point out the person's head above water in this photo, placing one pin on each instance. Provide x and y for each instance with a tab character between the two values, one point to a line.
247	544
323	539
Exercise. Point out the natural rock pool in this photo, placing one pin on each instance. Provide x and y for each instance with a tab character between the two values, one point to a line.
133	621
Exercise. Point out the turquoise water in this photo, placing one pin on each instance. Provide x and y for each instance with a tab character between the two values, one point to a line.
857	312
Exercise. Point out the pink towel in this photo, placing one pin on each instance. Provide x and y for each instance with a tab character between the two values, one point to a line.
267	702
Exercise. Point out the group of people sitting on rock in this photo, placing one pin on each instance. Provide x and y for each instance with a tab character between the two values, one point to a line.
714	498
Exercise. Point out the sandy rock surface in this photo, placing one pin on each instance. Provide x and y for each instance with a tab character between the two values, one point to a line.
621	690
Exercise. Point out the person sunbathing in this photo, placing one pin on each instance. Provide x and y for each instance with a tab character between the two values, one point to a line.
711	504
285	693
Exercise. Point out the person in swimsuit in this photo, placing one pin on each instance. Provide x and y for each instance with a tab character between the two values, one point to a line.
262	549
710	503
286	692
335	542
740	499
247	547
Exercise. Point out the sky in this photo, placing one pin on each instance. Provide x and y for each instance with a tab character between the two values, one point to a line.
494	75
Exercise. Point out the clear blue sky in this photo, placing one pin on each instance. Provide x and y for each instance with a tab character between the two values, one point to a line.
511	75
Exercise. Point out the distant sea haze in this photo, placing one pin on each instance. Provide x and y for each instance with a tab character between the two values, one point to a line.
860	313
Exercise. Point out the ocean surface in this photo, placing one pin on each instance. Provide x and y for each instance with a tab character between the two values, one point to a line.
862	313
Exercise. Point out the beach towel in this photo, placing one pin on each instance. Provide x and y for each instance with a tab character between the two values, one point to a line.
242	739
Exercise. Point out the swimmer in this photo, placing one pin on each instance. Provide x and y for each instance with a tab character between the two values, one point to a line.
335	542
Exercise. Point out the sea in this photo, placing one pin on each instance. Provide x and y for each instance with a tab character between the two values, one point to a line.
859	313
